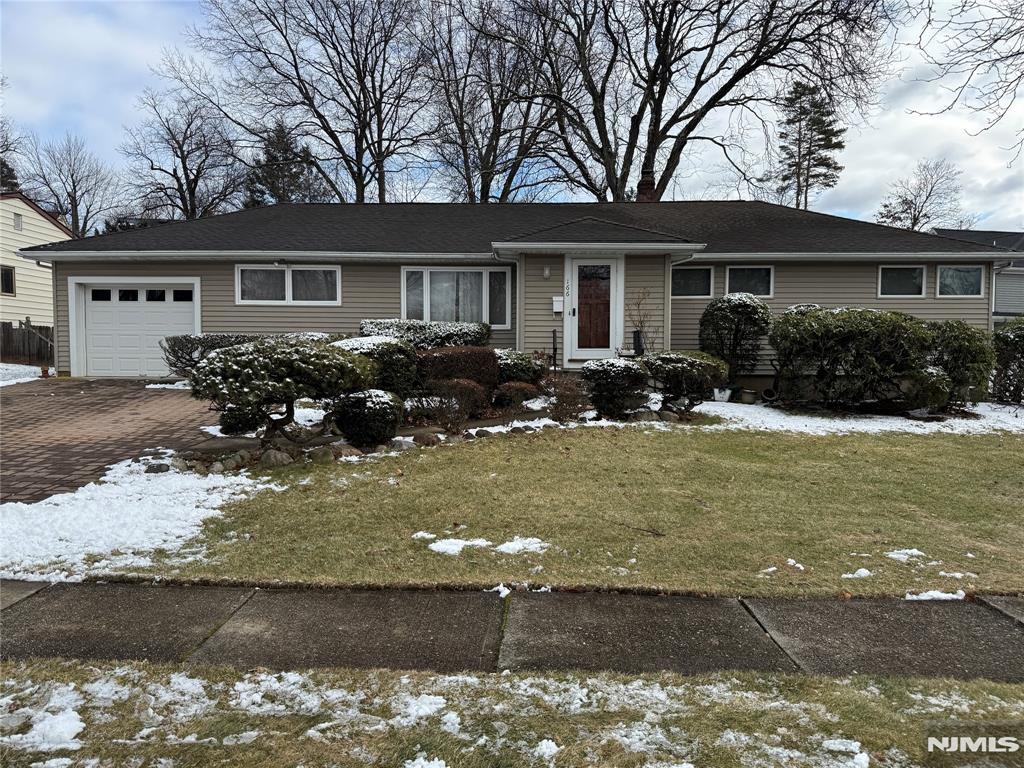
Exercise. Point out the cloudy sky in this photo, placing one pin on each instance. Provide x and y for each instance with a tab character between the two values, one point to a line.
79	67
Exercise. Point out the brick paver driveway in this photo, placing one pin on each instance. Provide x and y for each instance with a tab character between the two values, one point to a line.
58	435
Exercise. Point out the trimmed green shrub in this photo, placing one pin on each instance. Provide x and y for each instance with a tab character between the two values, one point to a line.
616	385
685	378
395	360
237	421
1008	342
929	388
454	401
368	418
965	355
183	353
429	335
731	329
269	374
478	364
512	394
514	365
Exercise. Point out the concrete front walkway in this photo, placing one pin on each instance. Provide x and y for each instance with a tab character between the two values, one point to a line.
61	434
452	631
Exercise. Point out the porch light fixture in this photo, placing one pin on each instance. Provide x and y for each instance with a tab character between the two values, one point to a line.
547	273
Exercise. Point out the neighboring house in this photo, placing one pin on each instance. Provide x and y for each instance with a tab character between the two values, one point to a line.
575	271
27	286
1009	292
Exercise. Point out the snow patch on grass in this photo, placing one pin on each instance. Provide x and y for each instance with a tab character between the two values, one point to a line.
936	594
13	373
903	555
860	573
115	524
455	546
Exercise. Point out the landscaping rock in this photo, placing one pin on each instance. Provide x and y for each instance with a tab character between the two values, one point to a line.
426	439
643	416
454	440
399	444
179	464
321	455
274	458
341	450
668	416
467	435
484	433
517	430
217	467
157	467
528	429
230	464
922	414
243	457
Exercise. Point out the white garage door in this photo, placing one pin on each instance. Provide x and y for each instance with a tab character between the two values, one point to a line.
124	325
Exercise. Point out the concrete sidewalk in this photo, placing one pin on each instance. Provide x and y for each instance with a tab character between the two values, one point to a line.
451	631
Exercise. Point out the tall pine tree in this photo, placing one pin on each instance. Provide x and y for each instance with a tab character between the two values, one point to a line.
283	173
8	177
809	137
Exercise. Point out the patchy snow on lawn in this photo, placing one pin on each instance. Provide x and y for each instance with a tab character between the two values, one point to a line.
936	594
991	418
116	523
455	546
517	545
13	373
54	724
520	544
183	384
903	555
860	573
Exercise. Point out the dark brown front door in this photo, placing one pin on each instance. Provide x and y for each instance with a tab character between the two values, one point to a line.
594	297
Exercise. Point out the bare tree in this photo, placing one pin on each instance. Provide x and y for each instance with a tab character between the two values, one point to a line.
928	198
636	83
182	159
345	73
491	130
980	51
69	180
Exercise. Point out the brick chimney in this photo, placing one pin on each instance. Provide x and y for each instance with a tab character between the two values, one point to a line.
645	187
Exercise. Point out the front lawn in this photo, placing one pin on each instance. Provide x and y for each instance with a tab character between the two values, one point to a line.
161	715
728	513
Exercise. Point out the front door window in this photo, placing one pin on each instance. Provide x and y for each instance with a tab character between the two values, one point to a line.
594	291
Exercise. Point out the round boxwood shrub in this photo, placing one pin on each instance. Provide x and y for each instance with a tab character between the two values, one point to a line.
965	355
512	394
847	355
428	335
1008	342
395	361
478	364
929	388
514	365
731	329
617	385
368	418
685	378
268	375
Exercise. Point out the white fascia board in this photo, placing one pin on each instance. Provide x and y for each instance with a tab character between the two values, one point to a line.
283	256
839	256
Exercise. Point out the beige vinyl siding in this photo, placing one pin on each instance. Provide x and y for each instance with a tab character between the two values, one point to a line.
367	291
834	285
33	295
1010	292
538	319
645	273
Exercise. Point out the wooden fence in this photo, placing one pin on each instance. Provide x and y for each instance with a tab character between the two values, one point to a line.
26	344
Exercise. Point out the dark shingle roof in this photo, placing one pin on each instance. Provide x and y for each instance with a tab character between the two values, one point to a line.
425	228
1011	241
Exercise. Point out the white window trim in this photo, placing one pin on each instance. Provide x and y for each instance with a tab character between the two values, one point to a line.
924	282
288	300
507	325
711	283
938	282
771	278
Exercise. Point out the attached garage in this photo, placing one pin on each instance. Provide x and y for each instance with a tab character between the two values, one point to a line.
121	322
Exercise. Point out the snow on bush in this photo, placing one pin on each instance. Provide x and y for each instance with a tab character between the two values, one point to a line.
427	335
731	329
370	417
964	354
685	378
267	375
1008	343
514	365
129	512
616	385
395	361
183	353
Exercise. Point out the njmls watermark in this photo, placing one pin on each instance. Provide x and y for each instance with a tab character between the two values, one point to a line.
975	744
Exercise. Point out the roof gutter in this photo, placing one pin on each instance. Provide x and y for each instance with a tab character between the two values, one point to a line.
626	247
255	256
887	256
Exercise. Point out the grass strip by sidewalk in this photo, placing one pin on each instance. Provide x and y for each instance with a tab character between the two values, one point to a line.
686	511
205	715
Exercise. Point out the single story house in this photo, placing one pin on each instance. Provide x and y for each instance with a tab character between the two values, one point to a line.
571	278
26	286
1009	285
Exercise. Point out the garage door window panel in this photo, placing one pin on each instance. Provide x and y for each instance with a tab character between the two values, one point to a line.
182	294
156	295
291	284
128	294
